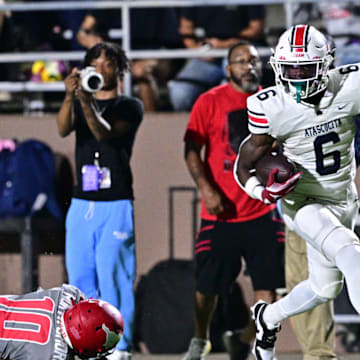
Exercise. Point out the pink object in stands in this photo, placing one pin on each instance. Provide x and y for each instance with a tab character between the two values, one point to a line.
7	144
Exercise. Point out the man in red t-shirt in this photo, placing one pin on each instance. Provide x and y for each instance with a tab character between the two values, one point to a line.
233	225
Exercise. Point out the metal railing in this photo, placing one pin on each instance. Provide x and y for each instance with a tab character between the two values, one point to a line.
124	6
172	190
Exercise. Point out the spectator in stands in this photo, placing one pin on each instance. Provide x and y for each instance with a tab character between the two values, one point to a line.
8	72
100	242
233	226
158	29
218	27
45	30
342	22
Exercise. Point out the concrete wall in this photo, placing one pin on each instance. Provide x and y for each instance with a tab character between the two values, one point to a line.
157	164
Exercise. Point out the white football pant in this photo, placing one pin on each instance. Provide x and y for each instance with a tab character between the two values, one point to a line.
333	250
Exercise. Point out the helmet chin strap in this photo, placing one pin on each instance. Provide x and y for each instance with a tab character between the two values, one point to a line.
299	86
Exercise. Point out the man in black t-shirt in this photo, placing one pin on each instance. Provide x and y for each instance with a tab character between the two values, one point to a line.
219	27
100	243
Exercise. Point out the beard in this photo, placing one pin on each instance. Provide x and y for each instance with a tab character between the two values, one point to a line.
247	85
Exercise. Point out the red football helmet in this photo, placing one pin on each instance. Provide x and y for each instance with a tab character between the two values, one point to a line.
92	327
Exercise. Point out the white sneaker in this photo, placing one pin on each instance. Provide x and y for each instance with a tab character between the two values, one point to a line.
264	344
119	355
198	349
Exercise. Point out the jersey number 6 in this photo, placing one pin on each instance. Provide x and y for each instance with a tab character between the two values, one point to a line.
321	168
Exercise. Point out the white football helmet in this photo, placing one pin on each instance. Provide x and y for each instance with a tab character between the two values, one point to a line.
301	61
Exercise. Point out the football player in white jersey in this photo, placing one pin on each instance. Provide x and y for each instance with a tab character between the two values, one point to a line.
310	113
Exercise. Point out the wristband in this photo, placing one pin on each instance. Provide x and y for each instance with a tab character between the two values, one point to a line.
254	188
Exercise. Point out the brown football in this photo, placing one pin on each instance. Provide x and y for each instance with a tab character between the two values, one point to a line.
274	160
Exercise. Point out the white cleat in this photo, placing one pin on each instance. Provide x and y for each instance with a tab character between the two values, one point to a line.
264	344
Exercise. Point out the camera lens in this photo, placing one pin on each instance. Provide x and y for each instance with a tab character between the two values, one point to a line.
91	81
94	82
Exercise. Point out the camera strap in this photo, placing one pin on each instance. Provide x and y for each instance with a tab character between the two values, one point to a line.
99	113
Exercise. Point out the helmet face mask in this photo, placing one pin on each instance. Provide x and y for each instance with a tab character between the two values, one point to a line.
92	328
299	72
301	61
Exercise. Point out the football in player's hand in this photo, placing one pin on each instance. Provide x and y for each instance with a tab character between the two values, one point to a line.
273	160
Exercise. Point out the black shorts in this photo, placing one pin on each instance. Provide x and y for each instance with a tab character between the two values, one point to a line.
220	246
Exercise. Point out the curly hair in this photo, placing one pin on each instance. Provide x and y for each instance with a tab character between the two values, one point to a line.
113	52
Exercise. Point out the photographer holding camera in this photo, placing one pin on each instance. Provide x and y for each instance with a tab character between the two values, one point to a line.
100	240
